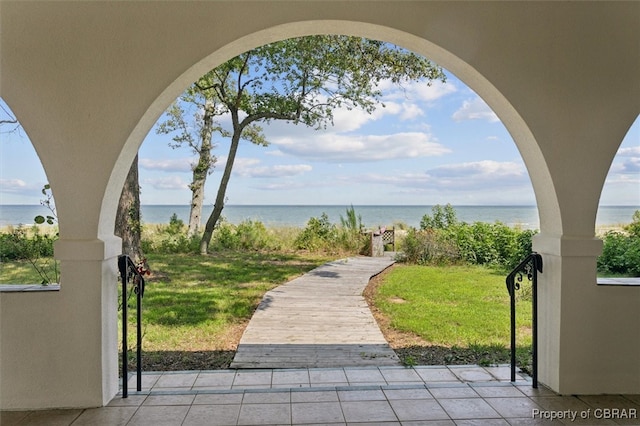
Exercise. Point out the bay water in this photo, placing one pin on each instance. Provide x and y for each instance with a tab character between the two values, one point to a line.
525	217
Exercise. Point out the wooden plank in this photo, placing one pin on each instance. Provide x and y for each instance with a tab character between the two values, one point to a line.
318	320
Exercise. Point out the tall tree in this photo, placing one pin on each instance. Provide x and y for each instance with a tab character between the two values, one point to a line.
197	134
191	122
303	80
128	224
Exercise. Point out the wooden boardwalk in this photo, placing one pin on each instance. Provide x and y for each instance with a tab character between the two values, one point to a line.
320	319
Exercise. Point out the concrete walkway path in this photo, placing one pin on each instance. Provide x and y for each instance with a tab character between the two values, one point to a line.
320	319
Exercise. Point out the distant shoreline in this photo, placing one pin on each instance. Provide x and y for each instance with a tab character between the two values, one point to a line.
523	216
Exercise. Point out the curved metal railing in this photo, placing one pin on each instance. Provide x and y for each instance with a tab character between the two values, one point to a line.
130	271
528	268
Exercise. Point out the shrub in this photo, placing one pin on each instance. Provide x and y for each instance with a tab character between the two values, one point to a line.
22	244
621	250
428	247
169	239
620	254
443	239
318	234
247	235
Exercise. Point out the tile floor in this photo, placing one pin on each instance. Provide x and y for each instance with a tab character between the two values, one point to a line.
430	395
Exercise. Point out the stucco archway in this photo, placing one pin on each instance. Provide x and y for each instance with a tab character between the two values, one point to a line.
88	79
514	123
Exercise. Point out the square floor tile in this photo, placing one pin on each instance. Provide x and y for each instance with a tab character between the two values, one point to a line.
368	411
316	412
361	395
326	376
252	378
453	392
262	414
365	375
112	416
418	410
251	397
472	374
440	374
513	407
12	418
498	391
159	416
559	403
218	398
165	400
208	415
290	377
178	380
405	375
482	422
468	408
314	396
215	379
417	393
148	381
528	421
49	418
503	373
633	398
539	391
130	401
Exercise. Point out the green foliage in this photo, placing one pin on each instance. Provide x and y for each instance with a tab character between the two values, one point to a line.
428	247
443	239
22	244
441	218
321	235
621	250
350	235
171	238
318	233
33	246
248	235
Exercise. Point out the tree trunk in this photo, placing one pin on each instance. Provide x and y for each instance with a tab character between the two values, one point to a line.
128	225
222	190
201	170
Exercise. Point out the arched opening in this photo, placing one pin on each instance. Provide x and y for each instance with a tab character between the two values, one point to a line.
513	123
28	219
619	202
486	173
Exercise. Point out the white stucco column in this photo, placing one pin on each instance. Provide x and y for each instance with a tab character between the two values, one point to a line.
59	348
589	334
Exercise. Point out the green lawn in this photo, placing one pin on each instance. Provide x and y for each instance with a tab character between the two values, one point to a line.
453	305
199	305
22	272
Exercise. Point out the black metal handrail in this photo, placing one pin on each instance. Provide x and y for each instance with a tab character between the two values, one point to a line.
529	268
129	270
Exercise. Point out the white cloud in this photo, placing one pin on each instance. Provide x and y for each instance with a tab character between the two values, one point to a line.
410	111
417	90
277	171
475	109
13	185
168	164
633	151
361	148
631	166
480	174
167	183
463	175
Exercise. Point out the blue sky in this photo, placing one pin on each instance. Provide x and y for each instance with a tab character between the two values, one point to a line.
428	145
